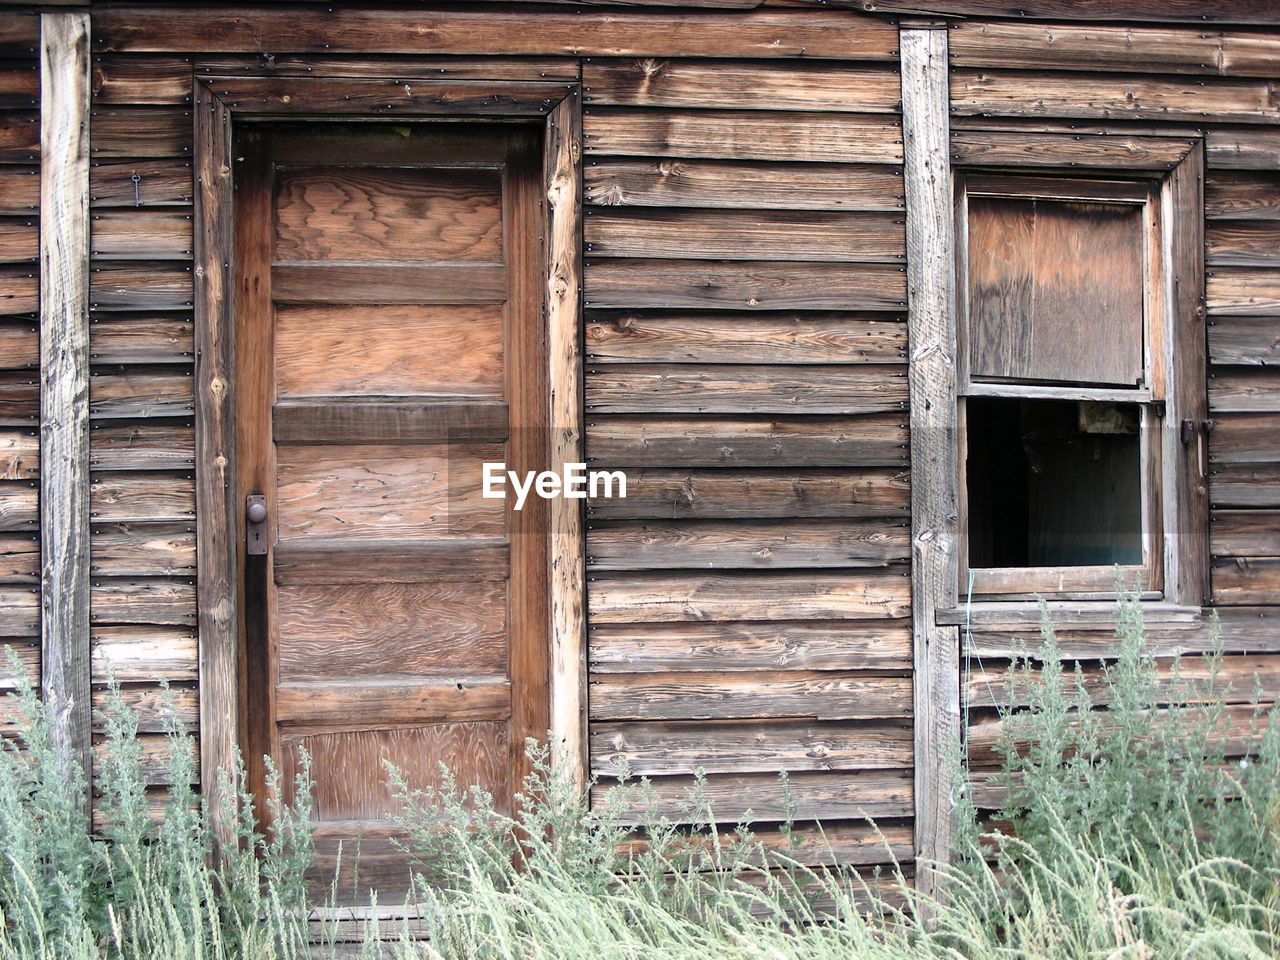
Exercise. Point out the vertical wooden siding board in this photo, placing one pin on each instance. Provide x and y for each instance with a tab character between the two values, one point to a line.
64	395
215	540
932	340
562	166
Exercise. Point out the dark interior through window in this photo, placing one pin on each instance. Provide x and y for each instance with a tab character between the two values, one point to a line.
1053	483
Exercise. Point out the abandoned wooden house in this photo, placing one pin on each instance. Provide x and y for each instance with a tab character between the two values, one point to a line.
896	315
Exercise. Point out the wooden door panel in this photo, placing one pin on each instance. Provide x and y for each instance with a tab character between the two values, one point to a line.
389	213
477	753
389	343
389	349
328	632
403	491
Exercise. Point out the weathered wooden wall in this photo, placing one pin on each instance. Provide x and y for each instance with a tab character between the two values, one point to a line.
19	349
1218	85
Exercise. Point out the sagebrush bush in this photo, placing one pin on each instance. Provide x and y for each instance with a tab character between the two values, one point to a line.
1125	833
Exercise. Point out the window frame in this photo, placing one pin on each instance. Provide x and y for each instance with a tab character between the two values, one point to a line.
1167	180
1070	582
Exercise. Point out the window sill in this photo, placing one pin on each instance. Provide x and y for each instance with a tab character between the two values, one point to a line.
1026	613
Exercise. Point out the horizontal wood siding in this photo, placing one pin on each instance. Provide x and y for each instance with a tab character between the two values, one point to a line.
142	491
746	365
1148	84
19	355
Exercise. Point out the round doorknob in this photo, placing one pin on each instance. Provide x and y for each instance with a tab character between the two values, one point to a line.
257	512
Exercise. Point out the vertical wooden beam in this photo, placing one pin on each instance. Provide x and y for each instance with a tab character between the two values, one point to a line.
562	167
216	546
1186	509
64	382
931	292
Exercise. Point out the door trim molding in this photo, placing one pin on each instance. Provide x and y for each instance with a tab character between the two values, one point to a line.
220	102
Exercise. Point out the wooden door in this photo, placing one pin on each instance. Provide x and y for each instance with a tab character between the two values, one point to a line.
388	342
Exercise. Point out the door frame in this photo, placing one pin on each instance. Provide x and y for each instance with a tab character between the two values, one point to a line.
219	103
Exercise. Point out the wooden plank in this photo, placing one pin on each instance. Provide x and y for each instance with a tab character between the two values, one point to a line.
745	235
394	701
1245	244
19	455
999	148
137	132
159	602
141	80
19	506
451	349
390	561
20	616
19	559
1243	291
144	654
1246	195
1094	47
744	338
217	545
155	759
1186	556
331	282
658	598
694	696
1244	391
389	419
781	33
344	632
140	286
743	544
1245	485
713	284
750	647
147	338
562	303
1175	11
875	441
64	383
1245	580
1250	341
727	84
19	398
135	447
19	190
28	655
1229	148
126	498
19	137
19	345
1245	438
143	550
142	235
728	746
931	280
156	709
743	135
757	494
733	388
140	394
159	183
19	241
19	290
760	797
367	96
725	183
486	67
1245	533
1106	96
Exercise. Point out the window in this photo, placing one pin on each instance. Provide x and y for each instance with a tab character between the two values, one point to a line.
1066	331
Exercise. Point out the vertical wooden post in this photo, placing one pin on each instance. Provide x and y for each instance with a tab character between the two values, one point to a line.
932	335
64	381
564	346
